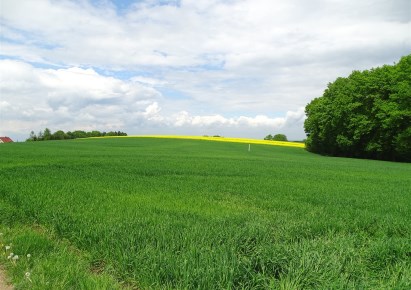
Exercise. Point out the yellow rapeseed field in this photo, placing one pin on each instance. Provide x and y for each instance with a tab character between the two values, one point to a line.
220	139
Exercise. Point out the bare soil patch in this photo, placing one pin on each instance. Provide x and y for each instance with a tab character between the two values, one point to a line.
3	283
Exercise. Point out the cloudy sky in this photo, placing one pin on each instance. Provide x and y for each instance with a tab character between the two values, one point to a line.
240	68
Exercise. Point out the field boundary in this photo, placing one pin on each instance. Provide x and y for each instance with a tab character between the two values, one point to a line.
218	139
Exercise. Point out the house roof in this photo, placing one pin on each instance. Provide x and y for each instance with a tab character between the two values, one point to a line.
6	139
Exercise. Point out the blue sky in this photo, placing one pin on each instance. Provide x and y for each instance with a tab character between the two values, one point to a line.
241	68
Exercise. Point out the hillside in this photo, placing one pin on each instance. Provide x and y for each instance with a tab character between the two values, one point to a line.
152	213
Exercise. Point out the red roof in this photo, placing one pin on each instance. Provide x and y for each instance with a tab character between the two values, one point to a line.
6	139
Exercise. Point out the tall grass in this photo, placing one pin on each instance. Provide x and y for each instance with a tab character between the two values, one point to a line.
191	214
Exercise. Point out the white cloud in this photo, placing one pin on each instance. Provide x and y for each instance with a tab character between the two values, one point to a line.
67	97
4	105
227	58
183	118
242	33
75	98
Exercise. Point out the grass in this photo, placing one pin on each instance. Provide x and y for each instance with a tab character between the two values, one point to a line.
153	213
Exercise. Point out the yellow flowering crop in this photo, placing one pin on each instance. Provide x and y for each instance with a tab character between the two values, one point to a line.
220	139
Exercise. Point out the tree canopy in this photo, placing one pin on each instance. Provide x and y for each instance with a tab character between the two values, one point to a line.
365	115
276	137
61	135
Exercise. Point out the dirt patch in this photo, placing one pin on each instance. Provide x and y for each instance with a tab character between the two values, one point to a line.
3	284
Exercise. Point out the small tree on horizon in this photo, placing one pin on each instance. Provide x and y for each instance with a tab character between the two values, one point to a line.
276	137
47	134
59	135
280	137
268	137
33	136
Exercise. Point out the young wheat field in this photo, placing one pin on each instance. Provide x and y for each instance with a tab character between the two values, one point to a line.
152	213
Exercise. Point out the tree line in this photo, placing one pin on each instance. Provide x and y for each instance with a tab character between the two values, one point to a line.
61	135
276	137
364	115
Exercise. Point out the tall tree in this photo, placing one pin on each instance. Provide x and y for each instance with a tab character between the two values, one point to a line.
366	115
33	136
47	134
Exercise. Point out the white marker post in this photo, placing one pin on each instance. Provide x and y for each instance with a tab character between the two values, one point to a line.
249	147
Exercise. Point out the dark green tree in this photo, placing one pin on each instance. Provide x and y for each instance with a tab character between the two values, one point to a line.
279	137
95	133
47	134
366	115
32	137
116	133
70	135
40	136
111	133
79	134
59	135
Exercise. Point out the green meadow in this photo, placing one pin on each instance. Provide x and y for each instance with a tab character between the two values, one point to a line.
145	213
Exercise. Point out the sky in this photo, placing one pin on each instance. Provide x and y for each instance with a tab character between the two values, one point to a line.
235	68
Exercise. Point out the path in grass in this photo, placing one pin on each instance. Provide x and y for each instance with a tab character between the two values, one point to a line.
3	284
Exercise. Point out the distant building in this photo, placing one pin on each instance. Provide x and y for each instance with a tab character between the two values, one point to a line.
5	140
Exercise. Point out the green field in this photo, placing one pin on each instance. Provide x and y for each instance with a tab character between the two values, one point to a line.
187	214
